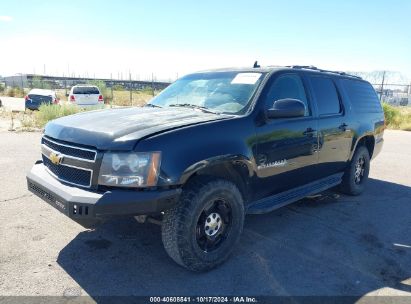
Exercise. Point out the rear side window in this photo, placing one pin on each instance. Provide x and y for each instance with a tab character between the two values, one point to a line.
362	96
326	96
86	90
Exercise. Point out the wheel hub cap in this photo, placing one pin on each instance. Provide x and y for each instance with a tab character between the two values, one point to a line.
212	224
359	170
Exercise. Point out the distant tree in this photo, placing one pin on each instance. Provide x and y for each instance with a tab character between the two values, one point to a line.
15	92
39	83
118	87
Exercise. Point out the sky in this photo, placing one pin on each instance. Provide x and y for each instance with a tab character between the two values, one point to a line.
168	39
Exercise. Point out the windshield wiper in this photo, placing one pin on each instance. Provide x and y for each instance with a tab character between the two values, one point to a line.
192	106
152	105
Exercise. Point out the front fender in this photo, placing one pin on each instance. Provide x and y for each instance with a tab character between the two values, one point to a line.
220	160
193	148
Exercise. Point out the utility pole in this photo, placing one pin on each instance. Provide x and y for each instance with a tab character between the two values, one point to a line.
65	85
22	82
382	86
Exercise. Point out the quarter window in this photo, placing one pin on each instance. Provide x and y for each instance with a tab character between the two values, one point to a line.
362	95
326	96
287	86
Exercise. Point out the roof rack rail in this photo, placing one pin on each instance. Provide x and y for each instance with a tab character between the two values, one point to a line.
313	68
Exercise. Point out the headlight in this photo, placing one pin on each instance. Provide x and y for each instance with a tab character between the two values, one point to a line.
130	169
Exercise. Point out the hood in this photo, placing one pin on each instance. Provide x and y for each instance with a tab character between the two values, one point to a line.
120	129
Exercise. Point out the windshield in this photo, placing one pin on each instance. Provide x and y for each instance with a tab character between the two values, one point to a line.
224	92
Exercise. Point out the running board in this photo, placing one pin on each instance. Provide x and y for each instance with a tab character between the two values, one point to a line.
279	200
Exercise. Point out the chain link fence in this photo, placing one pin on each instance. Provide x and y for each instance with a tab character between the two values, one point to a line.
115	91
391	87
394	94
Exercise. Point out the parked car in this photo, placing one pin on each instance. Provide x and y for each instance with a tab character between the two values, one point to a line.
211	148
404	101
37	97
85	96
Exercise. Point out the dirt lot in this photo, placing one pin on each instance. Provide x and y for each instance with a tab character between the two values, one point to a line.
326	246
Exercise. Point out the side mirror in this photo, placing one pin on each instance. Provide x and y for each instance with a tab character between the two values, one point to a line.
287	108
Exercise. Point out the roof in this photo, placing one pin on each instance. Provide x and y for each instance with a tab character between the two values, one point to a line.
41	92
267	69
241	69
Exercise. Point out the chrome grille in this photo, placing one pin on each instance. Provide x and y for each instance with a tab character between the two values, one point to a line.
69	174
75	164
69	150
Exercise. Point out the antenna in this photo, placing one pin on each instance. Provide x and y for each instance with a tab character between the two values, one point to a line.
256	65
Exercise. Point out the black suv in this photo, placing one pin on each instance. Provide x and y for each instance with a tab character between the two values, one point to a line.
212	147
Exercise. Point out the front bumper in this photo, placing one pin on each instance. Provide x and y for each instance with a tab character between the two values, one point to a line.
378	147
88	208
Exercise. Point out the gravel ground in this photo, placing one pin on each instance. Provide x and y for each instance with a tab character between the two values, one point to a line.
331	245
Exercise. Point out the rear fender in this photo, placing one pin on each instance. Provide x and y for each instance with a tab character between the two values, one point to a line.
368	139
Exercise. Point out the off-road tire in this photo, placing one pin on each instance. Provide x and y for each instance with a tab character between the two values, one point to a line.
349	185
180	223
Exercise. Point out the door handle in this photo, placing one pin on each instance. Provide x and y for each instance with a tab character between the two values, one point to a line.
309	131
343	126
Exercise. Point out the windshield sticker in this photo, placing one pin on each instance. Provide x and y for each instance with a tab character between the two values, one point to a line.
246	78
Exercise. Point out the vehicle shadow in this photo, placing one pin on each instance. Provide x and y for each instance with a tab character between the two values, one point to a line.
324	246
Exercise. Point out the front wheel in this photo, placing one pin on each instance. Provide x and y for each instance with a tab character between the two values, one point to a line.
201	231
356	174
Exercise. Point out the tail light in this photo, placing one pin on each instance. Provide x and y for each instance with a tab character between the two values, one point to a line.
100	98
26	97
72	98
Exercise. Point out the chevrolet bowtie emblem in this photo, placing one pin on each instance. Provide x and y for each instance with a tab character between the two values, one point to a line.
56	158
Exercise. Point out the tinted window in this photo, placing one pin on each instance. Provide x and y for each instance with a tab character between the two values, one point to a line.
362	96
40	98
86	90
326	96
287	86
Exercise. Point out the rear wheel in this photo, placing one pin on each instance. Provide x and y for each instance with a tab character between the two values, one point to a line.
200	233
356	174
